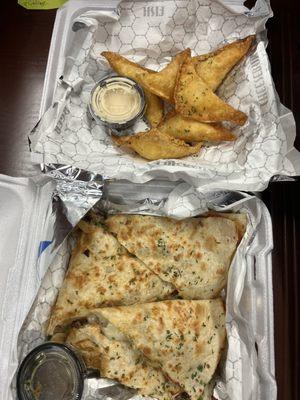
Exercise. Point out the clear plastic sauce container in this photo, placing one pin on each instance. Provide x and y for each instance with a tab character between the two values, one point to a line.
52	371
117	102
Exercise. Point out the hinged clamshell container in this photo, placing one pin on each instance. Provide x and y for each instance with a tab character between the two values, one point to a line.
250	290
25	249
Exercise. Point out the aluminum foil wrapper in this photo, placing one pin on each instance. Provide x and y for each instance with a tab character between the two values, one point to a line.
76	191
247	371
151	32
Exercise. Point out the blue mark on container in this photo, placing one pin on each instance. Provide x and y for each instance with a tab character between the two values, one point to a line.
43	245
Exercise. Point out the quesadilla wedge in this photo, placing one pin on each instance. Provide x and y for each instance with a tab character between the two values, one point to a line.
184	338
113	355
193	254
102	273
240	220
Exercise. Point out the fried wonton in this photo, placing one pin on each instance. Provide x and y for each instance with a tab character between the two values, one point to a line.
112	354
124	67
194	99
154	109
155	145
184	338
191	130
162	83
102	273
214	67
193	254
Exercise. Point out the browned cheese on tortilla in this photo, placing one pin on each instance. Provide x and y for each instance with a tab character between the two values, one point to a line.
102	273
184	338
240	220
193	254
113	355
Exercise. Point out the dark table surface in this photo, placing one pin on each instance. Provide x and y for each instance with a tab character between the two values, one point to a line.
24	43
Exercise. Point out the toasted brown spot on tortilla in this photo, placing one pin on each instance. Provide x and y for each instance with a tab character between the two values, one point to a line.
199	348
203	266
210	243
146	350
220	271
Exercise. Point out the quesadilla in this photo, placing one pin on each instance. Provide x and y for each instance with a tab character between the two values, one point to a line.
113	355
240	220
193	254
102	273
183	338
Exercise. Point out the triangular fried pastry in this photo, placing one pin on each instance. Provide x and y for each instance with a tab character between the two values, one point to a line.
194	99
215	66
155	145
191	130
124	67
162	83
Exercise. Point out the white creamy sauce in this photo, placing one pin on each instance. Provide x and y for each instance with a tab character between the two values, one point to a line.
116	102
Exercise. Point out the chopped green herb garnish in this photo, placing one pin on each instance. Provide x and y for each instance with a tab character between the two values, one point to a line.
200	367
161	244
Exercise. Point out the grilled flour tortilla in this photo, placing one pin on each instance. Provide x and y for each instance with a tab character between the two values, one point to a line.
183	338
193	254
103	273
112	354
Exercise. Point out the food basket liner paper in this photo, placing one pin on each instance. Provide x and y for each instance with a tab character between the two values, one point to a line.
242	374
151	33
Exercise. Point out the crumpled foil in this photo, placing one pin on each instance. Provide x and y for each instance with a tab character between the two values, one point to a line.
151	32
239	376
76	191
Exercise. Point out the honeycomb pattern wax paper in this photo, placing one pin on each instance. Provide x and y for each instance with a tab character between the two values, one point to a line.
151	33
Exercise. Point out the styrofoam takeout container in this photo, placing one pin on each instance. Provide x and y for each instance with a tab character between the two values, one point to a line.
25	212
249	165
63	34
27	217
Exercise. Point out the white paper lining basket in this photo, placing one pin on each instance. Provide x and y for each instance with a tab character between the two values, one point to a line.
150	33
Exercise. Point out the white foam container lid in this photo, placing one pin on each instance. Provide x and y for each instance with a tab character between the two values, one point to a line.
24	216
